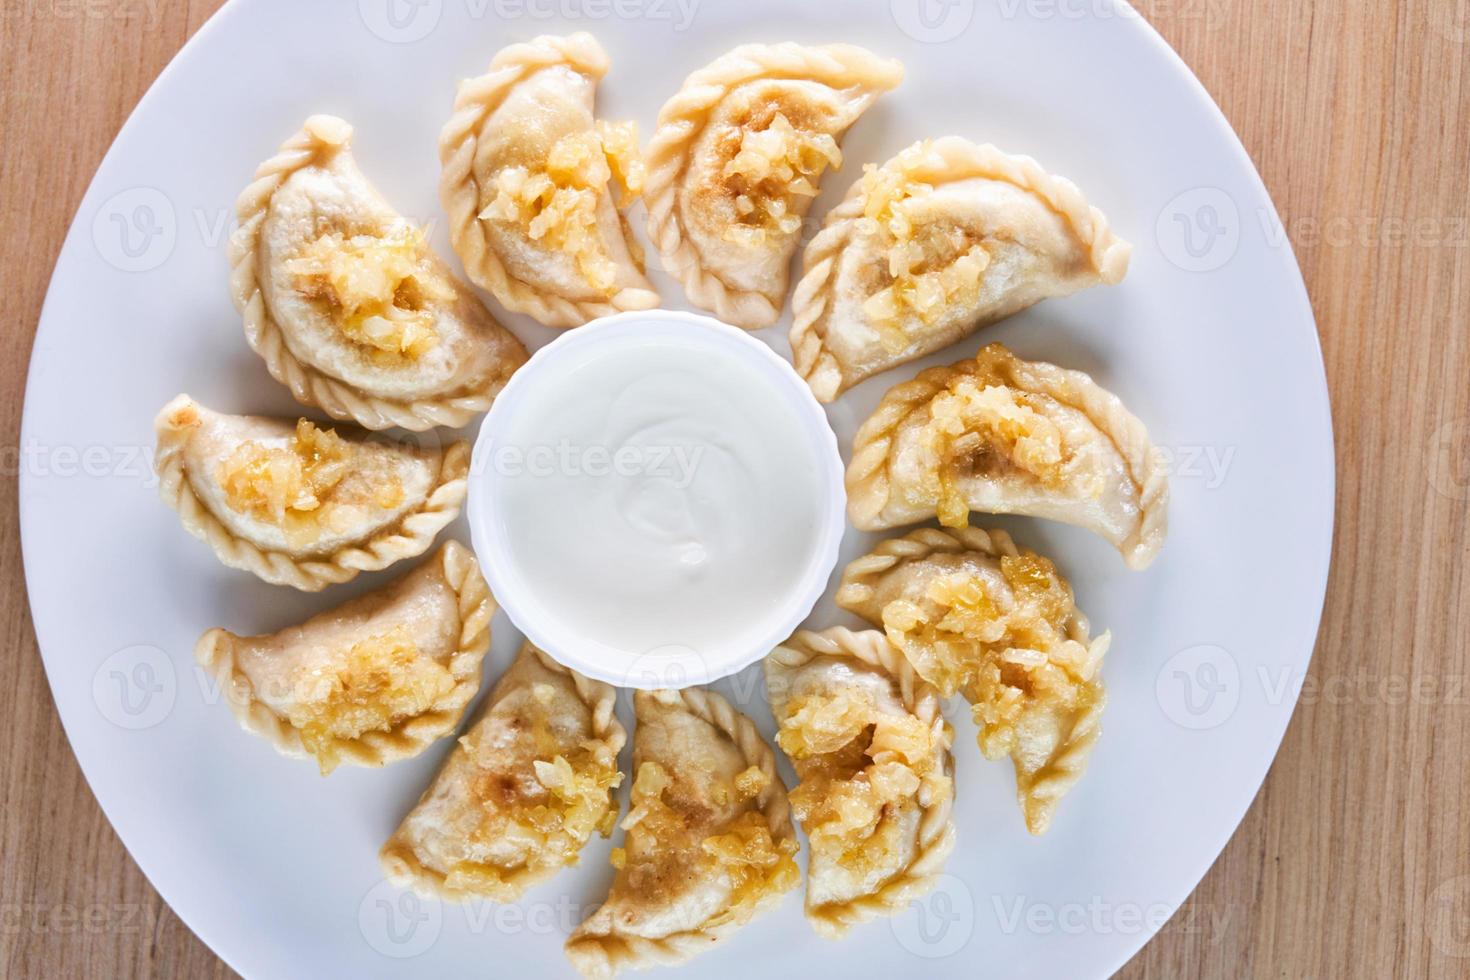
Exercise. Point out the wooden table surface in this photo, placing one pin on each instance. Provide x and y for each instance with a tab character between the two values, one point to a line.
1354	859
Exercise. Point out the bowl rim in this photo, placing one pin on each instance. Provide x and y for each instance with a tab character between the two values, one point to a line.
664	667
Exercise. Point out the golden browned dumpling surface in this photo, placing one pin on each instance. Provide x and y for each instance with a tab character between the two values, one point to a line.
534	185
709	842
526	787
1000	435
737	159
300	504
876	787
376	679
975	614
943	239
348	305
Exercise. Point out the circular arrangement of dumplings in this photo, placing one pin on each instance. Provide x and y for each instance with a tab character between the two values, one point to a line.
354	313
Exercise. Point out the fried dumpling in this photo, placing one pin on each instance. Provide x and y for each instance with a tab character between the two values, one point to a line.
736	161
872	753
346	302
301	505
378	678
975	614
528	176
1005	436
945	238
521	794
709	841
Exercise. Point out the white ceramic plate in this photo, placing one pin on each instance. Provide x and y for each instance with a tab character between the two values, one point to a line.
1210	340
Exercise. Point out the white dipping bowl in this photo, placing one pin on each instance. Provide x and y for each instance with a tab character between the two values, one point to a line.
550	613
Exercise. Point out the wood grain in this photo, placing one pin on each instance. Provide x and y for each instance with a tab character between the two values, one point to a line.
1355	858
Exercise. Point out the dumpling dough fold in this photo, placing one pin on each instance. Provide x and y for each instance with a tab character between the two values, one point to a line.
299	505
736	162
975	614
522	792
709	842
346	303
377	679
528	176
945	238
876	790
1000	435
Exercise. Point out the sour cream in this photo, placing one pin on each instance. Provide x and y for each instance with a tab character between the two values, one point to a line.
656	499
